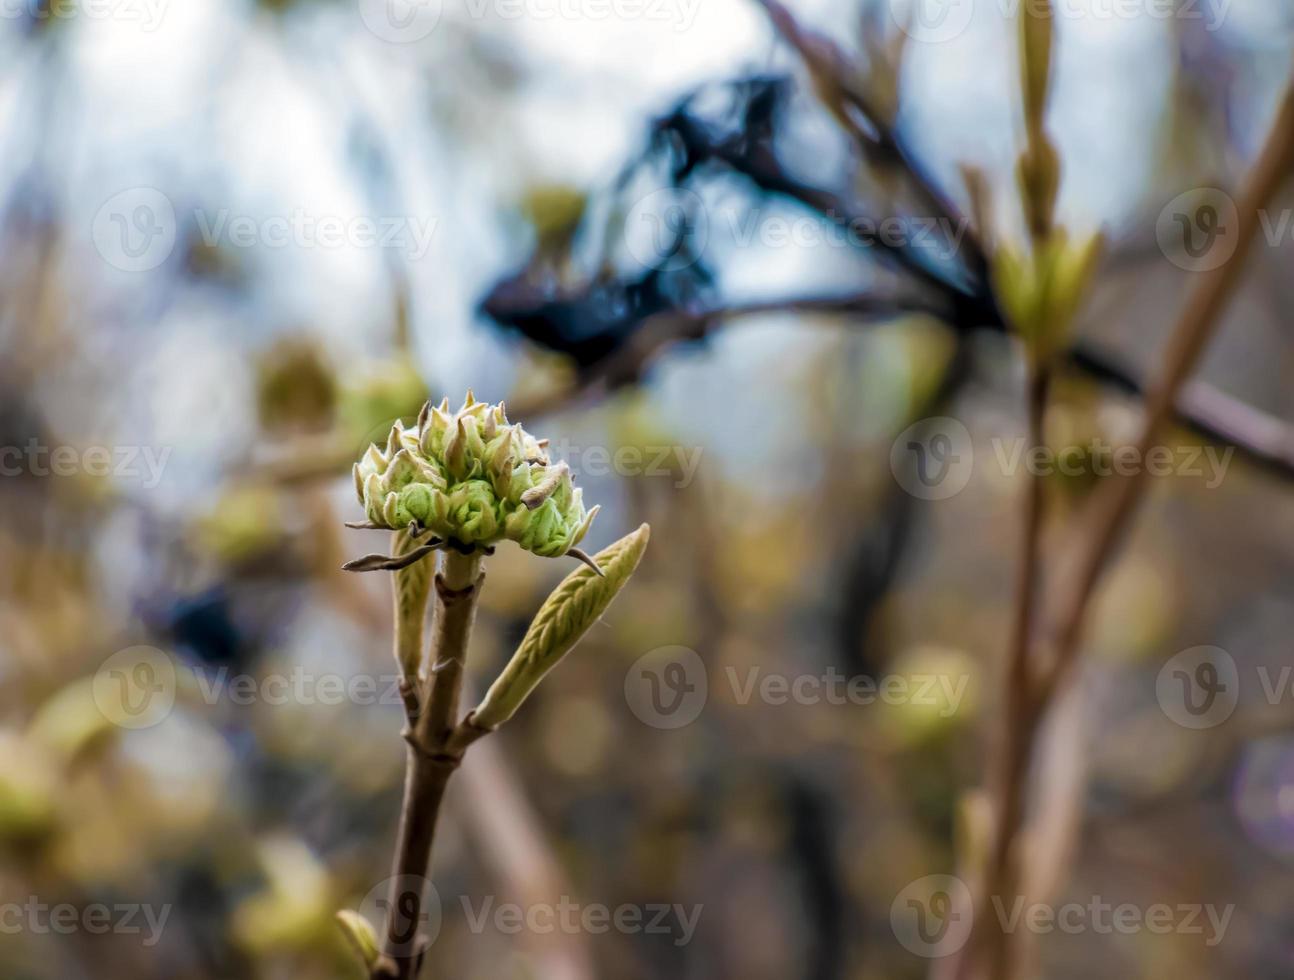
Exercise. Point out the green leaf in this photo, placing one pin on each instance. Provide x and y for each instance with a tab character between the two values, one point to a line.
359	932
564	618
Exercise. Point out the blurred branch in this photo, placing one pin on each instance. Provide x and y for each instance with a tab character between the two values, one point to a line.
506	829
881	145
1113	507
1201	407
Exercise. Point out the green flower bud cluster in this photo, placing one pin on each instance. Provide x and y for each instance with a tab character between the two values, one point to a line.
474	479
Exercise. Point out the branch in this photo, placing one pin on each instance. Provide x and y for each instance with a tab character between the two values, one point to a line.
1201	407
1113	506
431	762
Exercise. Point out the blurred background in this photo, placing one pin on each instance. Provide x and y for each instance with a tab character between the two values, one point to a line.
238	240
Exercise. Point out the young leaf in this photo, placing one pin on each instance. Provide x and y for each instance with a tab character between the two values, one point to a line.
412	587
359	932
564	618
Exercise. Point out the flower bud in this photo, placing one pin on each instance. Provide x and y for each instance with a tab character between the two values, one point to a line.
474	478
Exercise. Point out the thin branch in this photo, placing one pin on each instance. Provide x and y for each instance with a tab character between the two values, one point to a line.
1114	504
828	66
1022	711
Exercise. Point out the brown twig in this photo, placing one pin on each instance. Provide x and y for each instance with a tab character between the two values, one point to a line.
432	759
1022	715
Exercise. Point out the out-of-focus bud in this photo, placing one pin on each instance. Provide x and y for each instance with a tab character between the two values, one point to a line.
1038	175
386	390
1038	172
1042	291
296	387
293	909
70	722
27	788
